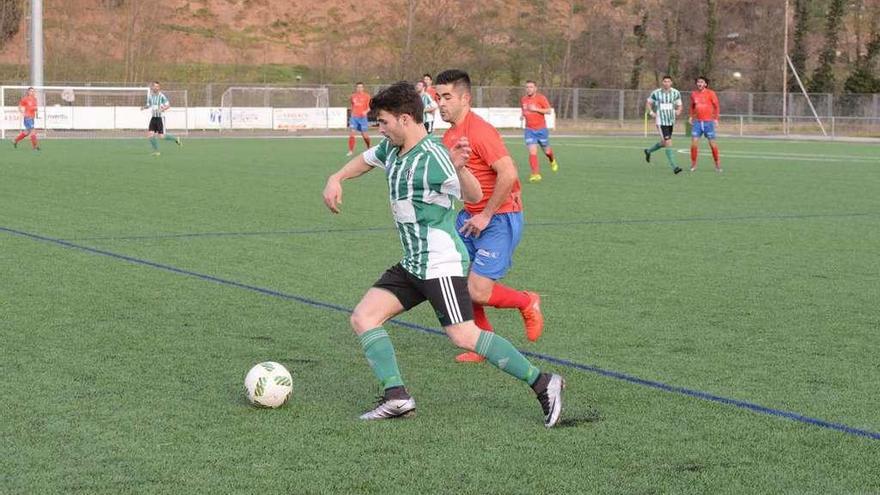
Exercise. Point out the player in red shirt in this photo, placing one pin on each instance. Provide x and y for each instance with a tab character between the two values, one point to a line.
703	119
534	107
360	105
490	228
28	108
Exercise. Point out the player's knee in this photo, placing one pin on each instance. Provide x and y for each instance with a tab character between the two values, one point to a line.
361	321
464	335
479	290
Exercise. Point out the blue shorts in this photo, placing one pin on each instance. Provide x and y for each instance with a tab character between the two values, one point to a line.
28	123
492	252
539	136
360	124
703	128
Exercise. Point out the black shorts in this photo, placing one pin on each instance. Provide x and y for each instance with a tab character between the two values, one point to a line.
665	131
448	295
429	126
157	125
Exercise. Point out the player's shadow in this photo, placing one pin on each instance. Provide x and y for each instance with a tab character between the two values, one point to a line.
575	419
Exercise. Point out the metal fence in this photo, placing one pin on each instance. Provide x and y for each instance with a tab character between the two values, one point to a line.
619	110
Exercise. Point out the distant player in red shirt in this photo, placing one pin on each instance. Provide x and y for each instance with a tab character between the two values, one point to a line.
28	108
534	107
490	228
703	119
360	105
429	87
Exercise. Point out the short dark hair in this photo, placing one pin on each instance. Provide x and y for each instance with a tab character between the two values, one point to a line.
530	81
359	83
455	77
427	75
705	80
398	99
156	82
666	77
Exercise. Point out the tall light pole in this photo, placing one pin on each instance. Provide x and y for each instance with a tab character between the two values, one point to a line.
785	75
36	42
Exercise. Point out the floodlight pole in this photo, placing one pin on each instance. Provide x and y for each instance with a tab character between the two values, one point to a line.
36	42
785	75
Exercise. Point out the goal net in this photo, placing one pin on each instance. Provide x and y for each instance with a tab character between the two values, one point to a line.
90	111
279	109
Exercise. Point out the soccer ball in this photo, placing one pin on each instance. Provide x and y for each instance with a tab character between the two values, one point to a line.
268	384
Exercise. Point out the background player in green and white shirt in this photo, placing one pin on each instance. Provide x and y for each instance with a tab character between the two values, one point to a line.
158	104
423	182
664	105
430	106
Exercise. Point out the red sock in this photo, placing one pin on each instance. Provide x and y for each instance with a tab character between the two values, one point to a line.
693	156
506	297
350	143
480	317
20	137
367	141
716	155
533	163
549	153
33	140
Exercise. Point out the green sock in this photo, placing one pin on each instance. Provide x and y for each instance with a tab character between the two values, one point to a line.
500	352
654	148
380	354
154	143
670	158
169	137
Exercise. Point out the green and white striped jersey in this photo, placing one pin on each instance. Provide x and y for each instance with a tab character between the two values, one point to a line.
156	101
665	104
427	101
422	185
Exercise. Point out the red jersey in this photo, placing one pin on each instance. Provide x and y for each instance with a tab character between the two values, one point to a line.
704	105
433	93
534	120
486	149
29	103
360	104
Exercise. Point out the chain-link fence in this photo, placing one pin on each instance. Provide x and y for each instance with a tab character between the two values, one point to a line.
622	111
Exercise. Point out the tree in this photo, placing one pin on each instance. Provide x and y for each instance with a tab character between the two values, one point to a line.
708	64
799	50
823	78
10	19
641	33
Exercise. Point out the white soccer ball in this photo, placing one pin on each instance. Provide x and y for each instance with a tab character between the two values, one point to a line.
268	384
737	75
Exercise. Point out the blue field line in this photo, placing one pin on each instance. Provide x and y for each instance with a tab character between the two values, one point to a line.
658	221
757	408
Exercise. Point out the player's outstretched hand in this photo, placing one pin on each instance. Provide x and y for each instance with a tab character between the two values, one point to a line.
475	225
460	153
333	195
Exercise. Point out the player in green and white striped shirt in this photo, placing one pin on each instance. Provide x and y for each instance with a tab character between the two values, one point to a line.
158	104
430	106
423	183
664	105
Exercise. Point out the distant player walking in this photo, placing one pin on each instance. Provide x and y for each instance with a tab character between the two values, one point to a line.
664	104
360	105
27	106
704	118
534	109
430	106
158	104
491	227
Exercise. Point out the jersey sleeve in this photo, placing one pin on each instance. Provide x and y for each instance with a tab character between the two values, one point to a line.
163	100
677	101
716	106
544	103
441	174
375	156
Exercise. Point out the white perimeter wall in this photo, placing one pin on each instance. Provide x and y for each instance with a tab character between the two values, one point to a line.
108	118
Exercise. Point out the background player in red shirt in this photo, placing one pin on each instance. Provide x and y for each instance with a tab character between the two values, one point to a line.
490	228
703	119
534	107
28	108
360	105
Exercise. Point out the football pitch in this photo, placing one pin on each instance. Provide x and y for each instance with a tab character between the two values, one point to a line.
718	333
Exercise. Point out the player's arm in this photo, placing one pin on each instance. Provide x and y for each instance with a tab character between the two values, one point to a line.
649	107
165	105
356	167
471	190
716	107
692	110
678	107
506	178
